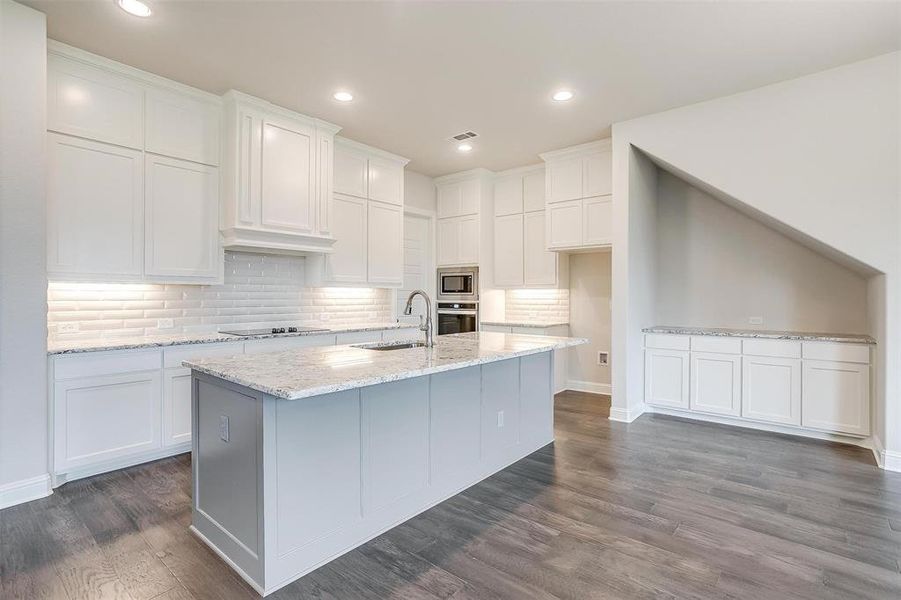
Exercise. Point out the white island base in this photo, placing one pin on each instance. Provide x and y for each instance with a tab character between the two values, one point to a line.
297	483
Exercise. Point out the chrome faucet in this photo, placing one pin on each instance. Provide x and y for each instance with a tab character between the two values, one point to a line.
427	326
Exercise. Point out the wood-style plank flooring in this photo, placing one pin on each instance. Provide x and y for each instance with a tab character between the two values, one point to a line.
660	508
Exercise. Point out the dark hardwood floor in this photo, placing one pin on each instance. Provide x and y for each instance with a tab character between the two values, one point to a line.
660	508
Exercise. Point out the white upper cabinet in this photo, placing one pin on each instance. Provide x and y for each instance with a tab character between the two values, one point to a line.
278	167
365	218
449	199
95	210
182	127
132	186
521	258
579	189
181	230
460	197
92	102
464	208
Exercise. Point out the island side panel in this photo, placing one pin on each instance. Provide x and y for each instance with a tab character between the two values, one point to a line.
226	463
536	399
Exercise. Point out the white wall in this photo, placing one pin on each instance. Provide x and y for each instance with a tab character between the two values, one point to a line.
717	267
589	317
23	280
818	154
419	191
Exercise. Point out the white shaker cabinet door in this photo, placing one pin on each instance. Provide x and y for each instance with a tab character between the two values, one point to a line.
716	383
597	220
351	172
469	240
470	196
385	244
386	181
533	191
181	219
508	250
564	224
539	265
666	378
564	180
508	195
182	127
599	174
449	200
448	241
176	406
347	262
836	396
95	209
771	389
288	176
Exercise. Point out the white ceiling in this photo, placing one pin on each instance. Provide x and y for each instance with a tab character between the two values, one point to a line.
421	72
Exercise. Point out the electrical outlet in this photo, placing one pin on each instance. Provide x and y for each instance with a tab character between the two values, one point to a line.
755	320
603	358
500	419
223	428
67	328
165	323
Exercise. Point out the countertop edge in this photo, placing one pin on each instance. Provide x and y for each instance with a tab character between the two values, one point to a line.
770	335
516	324
218	338
377	379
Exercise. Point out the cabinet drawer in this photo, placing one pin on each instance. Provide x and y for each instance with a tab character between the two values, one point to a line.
105	363
666	341
721	345
778	348
856	353
173	357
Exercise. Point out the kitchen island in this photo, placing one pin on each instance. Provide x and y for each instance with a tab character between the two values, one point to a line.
300	456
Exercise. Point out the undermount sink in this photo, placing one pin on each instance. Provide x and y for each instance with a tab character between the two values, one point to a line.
390	345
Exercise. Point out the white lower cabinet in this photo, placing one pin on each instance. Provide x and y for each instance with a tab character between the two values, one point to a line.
836	396
105	417
715	383
666	378
771	389
176	406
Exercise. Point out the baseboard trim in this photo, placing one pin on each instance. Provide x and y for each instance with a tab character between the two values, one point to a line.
591	387
878	451
624	415
76	473
25	490
891	461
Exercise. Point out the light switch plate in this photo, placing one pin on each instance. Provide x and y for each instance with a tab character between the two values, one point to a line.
755	320
165	323
223	428
500	419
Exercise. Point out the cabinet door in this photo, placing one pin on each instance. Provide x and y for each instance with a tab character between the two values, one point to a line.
771	389
508	196
564	180
386	181
449	199
564	226
182	127
598	174
716	383
470	194
539	265
533	191
448	238
288	176
836	397
105	417
95	209
181	225
347	262
176	407
385	249
469	240
597	219
93	103
351	172
666	378
326	181
508	250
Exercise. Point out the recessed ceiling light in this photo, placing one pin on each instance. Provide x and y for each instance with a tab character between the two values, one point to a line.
464	148
135	7
562	96
343	96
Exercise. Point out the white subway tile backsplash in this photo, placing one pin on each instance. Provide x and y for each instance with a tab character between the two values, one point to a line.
258	290
537	305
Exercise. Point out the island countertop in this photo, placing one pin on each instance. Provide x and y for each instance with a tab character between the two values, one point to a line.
305	372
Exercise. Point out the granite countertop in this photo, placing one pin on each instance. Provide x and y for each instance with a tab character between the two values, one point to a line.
178	339
517	324
850	338
305	372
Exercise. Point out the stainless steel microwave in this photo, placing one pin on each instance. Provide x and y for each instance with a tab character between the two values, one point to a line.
458	284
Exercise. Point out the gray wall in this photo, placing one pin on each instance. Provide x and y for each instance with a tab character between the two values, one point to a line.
717	267
589	317
23	278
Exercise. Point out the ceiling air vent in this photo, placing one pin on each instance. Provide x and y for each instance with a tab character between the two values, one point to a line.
465	135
